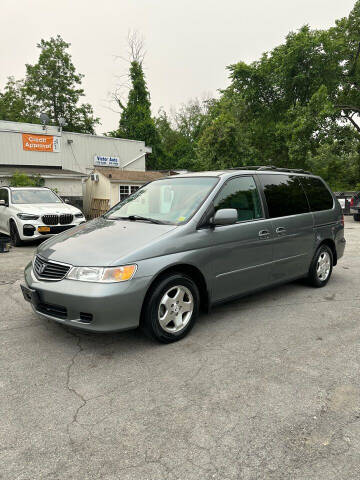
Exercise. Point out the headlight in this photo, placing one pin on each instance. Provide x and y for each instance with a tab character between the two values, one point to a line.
27	216
101	274
79	215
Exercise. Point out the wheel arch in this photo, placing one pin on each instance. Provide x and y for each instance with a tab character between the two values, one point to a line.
193	272
10	221
331	244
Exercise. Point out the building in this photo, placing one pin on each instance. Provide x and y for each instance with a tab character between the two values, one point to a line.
67	183
107	186
64	159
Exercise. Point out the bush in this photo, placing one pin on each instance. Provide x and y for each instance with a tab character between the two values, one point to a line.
23	180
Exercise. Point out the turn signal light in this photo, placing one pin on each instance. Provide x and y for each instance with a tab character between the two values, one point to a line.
119	274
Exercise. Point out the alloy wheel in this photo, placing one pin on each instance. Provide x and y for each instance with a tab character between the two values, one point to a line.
323	266
175	309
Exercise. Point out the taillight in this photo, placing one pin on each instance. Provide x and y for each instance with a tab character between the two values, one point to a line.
352	202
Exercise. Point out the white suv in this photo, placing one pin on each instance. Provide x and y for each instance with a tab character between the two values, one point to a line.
27	213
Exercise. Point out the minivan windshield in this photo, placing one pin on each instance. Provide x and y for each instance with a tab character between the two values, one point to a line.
171	200
34	196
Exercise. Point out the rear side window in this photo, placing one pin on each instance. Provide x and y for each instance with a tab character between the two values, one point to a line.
242	194
318	195
4	195
284	195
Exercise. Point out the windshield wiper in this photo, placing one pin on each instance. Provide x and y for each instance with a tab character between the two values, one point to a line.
139	217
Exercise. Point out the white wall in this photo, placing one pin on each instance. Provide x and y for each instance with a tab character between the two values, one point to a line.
65	187
78	155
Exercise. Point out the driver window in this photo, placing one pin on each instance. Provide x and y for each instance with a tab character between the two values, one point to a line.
242	194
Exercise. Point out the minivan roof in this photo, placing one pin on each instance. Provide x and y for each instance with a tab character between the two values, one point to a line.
244	171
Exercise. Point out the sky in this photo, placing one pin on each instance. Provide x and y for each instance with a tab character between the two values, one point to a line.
188	43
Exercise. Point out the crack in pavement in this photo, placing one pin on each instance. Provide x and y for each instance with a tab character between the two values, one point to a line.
72	389
83	400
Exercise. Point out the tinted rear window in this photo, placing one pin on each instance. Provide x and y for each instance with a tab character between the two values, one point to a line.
318	195
284	195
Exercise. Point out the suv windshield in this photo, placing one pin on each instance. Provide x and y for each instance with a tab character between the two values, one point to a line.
172	200
34	196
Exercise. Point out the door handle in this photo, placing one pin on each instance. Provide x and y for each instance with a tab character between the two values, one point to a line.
280	230
264	234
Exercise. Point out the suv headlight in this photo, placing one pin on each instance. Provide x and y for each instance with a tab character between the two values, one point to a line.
27	216
78	215
102	274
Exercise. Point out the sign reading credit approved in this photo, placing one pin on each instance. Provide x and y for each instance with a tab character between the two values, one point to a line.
40	143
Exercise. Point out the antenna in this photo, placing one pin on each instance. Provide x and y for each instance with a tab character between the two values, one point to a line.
44	119
62	122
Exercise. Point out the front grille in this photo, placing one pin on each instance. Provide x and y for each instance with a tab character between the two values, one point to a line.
57	229
53	310
66	218
50	219
47	270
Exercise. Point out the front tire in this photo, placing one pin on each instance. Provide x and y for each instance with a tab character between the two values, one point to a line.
171	308
14	235
321	267
357	217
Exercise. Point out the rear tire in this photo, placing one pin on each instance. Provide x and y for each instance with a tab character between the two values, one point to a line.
14	235
321	267
171	308
357	217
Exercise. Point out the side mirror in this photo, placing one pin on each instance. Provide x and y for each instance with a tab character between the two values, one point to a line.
66	200
2	203
225	216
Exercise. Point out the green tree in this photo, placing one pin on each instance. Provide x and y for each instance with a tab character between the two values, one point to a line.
180	133
20	179
136	121
53	86
14	105
293	106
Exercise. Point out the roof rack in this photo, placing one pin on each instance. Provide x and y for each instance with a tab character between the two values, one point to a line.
271	167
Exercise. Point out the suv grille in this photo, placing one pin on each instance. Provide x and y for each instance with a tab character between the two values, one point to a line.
66	218
50	219
46	270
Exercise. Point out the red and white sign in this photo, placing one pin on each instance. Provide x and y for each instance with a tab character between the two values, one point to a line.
40	143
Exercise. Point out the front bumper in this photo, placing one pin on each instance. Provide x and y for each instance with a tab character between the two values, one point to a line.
89	306
28	234
30	231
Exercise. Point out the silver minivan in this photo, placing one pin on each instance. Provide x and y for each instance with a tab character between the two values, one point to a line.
184	243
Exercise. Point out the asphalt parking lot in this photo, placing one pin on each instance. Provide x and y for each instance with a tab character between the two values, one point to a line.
263	388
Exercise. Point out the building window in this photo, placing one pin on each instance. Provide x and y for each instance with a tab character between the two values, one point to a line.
126	190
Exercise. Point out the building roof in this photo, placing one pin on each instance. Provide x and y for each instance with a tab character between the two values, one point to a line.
36	128
8	171
118	175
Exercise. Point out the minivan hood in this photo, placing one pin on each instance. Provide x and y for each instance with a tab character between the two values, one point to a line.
102	242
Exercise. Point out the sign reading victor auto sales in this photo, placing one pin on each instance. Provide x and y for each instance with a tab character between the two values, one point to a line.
40	143
103	161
